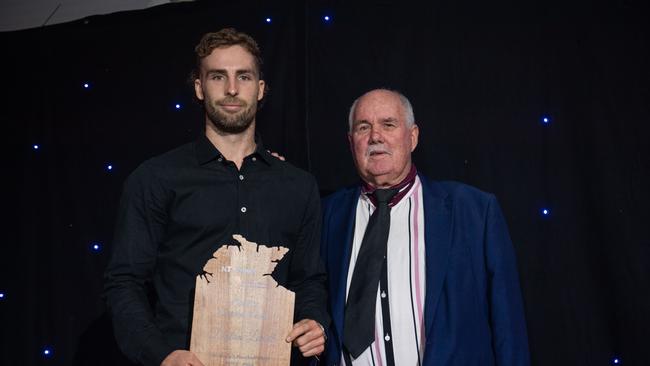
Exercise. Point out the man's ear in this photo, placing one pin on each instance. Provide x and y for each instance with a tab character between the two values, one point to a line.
198	90
415	134
260	92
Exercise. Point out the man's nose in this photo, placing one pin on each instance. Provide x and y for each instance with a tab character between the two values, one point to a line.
231	87
375	136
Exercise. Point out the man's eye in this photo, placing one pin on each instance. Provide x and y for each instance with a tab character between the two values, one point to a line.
245	77
362	128
217	77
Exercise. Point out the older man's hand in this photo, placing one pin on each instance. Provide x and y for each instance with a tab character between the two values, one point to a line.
276	155
181	358
308	336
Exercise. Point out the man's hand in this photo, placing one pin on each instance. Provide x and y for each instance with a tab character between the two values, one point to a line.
308	336
276	155
181	358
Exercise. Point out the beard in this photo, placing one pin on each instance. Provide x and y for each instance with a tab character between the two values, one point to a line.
230	123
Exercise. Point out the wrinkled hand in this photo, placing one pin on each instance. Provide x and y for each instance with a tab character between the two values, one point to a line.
181	358
308	336
280	157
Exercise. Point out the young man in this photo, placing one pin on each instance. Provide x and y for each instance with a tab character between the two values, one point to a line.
178	208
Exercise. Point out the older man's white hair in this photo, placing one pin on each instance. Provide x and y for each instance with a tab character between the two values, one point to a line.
406	104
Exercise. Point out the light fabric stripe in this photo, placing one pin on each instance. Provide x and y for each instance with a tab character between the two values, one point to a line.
378	341
416	231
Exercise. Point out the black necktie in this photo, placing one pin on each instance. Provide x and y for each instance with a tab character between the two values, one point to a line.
359	323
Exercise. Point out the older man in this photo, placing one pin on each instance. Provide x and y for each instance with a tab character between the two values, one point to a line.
420	272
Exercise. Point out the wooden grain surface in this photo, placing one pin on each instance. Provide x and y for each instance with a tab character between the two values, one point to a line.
241	316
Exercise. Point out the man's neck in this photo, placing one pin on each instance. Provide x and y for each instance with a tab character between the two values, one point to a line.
233	147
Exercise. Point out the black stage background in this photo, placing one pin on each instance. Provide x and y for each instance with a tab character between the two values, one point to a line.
481	75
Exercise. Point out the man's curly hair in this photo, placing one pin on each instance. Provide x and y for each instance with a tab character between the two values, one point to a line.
224	38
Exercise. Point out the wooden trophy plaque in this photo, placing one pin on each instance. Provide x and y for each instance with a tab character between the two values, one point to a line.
241	316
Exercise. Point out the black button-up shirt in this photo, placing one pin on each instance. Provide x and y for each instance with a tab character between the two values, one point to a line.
176	210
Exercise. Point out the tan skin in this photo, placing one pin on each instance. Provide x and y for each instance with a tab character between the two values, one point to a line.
380	140
231	72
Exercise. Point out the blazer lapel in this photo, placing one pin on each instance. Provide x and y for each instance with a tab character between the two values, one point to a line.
437	234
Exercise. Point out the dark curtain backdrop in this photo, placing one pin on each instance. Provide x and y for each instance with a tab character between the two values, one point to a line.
480	75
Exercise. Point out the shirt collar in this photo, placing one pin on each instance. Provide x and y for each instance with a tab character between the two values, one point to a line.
404	186
207	152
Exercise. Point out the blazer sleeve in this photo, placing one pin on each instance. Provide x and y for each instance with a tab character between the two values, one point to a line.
509	336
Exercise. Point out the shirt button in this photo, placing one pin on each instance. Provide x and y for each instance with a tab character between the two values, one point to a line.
241	177
220	159
383	295
387	337
243	209
254	158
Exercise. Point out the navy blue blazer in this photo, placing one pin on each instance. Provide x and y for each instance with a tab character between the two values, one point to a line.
473	307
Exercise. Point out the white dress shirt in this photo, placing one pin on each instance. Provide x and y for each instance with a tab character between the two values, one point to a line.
406	281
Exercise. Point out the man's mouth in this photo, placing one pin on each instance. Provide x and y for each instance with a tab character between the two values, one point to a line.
375	153
377	150
231	107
